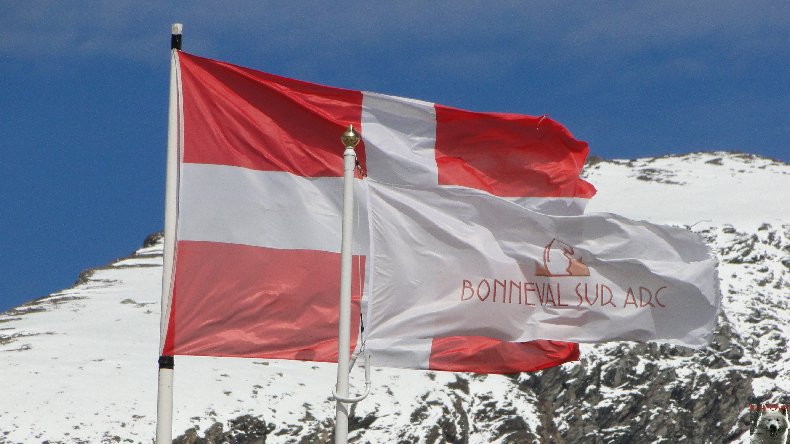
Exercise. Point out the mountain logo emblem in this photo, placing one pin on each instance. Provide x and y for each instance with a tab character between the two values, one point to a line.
559	259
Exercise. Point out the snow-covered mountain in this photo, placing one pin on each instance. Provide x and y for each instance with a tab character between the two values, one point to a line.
80	365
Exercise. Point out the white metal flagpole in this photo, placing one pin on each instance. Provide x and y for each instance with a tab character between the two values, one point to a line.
164	406
350	139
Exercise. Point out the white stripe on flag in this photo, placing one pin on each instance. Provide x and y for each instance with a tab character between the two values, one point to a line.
399	135
558	206
265	209
400	352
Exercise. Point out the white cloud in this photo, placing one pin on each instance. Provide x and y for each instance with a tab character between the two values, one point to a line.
356	41
134	29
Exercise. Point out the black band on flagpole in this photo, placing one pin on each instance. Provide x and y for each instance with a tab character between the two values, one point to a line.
175	41
166	362
175	36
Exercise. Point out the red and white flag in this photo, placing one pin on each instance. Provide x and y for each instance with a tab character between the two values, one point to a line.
257	253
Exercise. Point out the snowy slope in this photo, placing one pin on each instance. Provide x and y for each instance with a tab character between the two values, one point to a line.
740	203
716	188
80	365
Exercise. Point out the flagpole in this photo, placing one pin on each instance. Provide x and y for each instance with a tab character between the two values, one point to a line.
164	405
350	139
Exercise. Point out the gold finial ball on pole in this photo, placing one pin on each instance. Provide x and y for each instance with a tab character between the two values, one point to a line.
350	138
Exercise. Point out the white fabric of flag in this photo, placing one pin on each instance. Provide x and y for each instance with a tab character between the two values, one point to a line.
462	262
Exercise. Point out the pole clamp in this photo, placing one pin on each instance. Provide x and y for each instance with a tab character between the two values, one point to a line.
354	400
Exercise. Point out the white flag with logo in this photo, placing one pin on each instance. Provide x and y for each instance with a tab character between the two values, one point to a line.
458	261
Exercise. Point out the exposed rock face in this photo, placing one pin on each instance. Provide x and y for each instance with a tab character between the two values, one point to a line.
628	393
243	430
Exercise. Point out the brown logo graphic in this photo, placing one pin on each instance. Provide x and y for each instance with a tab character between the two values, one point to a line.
559	260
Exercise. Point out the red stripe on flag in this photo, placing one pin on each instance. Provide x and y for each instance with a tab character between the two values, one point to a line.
485	355
509	155
241	117
254	302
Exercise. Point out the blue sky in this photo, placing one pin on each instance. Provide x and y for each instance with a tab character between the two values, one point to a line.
84	92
